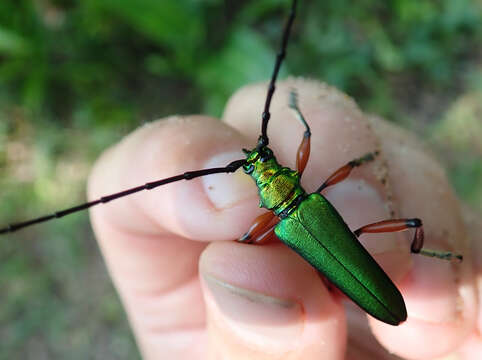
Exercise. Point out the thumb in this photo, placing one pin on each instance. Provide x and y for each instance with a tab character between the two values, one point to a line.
265	302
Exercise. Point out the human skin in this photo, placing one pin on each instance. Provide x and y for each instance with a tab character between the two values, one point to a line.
190	292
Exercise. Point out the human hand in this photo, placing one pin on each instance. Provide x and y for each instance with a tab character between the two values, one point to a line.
190	295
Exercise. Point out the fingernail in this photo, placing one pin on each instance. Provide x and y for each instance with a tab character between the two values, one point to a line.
254	318
225	190
430	291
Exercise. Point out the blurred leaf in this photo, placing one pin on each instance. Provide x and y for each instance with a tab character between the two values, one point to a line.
459	136
246	58
13	44
461	127
172	23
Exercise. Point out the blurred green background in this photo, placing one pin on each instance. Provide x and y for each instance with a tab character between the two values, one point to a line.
77	75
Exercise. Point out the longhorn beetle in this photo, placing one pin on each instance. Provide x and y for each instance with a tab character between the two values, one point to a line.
307	223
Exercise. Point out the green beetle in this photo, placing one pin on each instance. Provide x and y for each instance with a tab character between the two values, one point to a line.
312	227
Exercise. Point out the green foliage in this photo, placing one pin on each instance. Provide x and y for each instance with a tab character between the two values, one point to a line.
76	75
96	54
367	49
239	68
458	137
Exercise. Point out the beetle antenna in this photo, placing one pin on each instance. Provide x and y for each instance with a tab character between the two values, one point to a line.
263	139
231	167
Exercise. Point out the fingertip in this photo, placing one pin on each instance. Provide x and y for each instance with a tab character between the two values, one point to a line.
193	209
441	313
265	300
416	339
440	295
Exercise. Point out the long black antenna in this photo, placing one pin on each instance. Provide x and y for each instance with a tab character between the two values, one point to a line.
263	139
232	167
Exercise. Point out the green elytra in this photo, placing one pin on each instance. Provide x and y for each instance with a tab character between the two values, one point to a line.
308	224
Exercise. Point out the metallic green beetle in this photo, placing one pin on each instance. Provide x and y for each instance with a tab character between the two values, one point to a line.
312	227
308	224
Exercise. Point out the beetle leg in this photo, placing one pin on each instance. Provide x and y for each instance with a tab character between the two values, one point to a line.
267	236
261	229
343	172
303	153
395	225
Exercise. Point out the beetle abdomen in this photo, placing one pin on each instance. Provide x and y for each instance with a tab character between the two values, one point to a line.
318	233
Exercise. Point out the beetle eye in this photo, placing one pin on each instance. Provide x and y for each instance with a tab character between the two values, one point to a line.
266	155
248	169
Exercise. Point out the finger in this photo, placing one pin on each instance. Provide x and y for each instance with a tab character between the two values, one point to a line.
472	347
166	148
440	296
340	133
146	237
258	310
